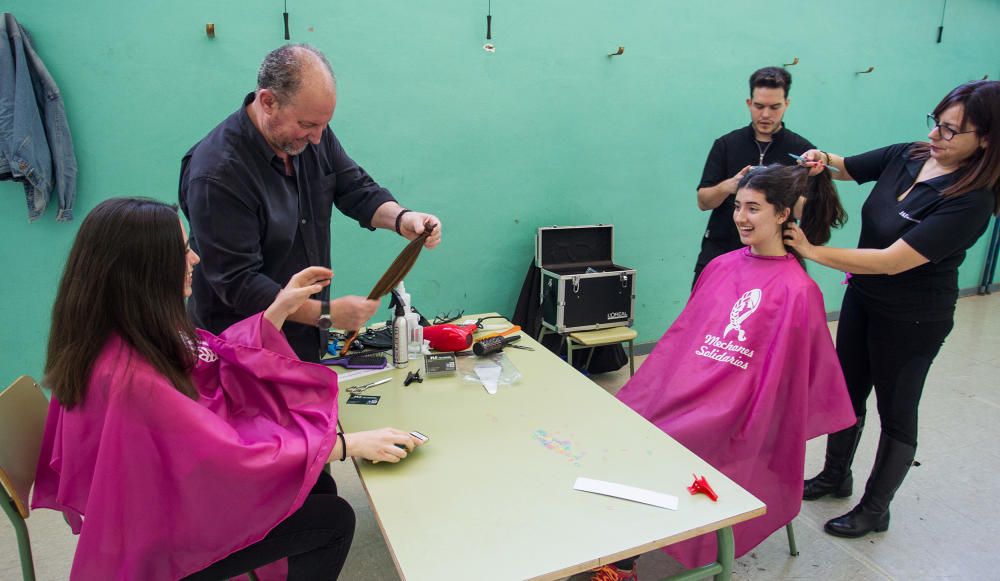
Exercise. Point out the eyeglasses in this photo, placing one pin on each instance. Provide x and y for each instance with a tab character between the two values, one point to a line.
447	317
947	133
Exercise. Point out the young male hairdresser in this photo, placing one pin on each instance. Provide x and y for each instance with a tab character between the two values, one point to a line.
764	141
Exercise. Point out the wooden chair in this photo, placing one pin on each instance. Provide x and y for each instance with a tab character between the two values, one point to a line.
23	409
22	422
600	337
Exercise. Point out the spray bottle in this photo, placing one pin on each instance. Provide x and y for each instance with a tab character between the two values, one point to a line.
414	332
399	337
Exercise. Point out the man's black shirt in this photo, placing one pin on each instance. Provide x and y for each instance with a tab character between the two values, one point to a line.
254	226
729	154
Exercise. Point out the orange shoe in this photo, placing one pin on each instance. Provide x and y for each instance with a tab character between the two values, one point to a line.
612	573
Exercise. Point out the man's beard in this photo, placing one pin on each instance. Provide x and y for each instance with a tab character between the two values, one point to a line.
290	148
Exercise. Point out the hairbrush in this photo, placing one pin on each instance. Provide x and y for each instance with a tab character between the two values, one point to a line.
360	361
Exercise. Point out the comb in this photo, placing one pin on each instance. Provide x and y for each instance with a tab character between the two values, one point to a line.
357	361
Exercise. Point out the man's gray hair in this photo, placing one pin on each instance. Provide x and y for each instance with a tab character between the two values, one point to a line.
281	71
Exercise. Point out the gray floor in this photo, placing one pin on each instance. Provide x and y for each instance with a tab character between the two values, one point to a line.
945	516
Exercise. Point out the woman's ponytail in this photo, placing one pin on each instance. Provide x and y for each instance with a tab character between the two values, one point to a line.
822	210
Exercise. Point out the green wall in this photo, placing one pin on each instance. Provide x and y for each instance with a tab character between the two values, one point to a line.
548	130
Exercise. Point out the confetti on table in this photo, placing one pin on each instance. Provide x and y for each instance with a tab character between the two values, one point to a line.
563	447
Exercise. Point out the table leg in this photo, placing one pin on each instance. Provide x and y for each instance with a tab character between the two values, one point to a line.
722	569
792	549
726	552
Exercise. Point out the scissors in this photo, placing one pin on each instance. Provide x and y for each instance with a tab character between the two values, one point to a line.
356	389
805	161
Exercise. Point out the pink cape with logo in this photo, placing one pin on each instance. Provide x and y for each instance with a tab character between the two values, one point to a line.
158	485
745	375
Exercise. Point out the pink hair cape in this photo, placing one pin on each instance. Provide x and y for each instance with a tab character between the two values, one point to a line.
745	375
158	485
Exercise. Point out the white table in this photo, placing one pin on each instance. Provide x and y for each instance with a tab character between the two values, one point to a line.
492	491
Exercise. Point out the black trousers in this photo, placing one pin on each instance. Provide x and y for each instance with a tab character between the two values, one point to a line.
315	538
891	356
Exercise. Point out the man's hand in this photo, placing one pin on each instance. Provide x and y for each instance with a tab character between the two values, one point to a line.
351	312
734	181
710	198
413	224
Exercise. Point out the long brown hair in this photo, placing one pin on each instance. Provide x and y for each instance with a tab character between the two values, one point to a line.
783	185
125	275
980	101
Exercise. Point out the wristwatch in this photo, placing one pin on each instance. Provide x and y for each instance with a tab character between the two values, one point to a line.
324	322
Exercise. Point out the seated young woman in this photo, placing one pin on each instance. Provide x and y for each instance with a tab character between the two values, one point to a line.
748	372
174	453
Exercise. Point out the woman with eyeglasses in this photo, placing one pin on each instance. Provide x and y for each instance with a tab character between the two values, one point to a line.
174	453
931	202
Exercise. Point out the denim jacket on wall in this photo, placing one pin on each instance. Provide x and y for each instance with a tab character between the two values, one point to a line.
36	147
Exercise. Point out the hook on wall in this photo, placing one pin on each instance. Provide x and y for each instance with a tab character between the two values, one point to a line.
285	16
620	51
986	77
489	20
794	62
941	26
210	29
865	72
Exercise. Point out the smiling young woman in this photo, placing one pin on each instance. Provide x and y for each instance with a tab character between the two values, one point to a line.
766	202
748	369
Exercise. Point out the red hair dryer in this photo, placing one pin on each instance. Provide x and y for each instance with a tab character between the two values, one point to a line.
450	337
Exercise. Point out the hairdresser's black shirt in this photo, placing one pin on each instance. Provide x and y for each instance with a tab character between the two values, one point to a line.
254	226
729	154
940	228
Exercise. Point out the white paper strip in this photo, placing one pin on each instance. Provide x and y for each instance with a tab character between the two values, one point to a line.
627	492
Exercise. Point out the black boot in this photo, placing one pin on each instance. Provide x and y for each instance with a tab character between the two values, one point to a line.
892	462
835	477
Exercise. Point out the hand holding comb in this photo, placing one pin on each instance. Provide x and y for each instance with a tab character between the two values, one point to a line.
395	273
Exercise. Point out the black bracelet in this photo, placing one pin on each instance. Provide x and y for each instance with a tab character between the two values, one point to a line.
343	446
399	218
